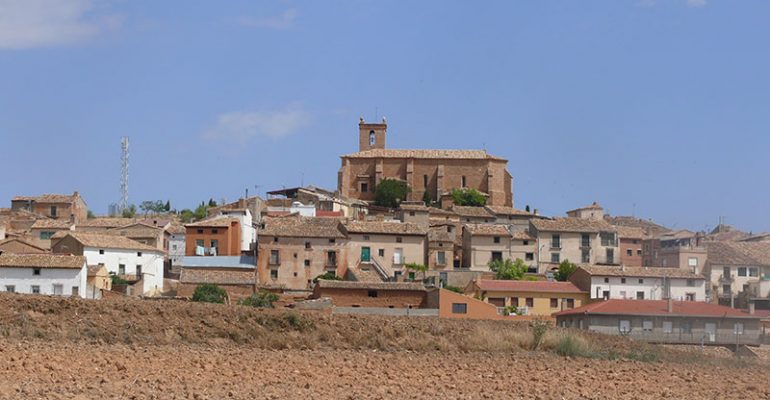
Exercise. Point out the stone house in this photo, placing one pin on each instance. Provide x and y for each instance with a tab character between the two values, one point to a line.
372	294
678	249
49	274
666	321
605	282
474	215
630	245
517	220
19	246
433	171
592	211
55	206
237	275
484	243
579	240
43	230
144	233
735	267
294	250
387	247
530	297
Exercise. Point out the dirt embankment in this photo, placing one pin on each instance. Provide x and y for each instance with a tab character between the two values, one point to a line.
73	349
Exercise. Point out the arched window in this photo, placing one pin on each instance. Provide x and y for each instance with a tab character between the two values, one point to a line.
372	138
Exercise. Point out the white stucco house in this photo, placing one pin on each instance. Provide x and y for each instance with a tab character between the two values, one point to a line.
248	231
176	244
640	283
48	274
126	258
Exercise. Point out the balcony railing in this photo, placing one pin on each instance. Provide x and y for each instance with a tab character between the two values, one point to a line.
726	278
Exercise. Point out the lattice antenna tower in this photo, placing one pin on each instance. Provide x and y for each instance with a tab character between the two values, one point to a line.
123	173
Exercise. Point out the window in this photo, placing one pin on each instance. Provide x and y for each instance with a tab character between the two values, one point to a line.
332	240
53	211
295	274
462	181
275	239
75	291
372	138
101	264
200	231
585	256
366	237
399	239
496	239
647	325
215	231
530	302
275	259
585	240
686	327
381	252
497	256
173	247
668	327
570	303
529	256
364	187
622	280
515	301
753	272
101	251
214	243
139	270
411	213
624	326
606	294
610	256
606	280
555	241
425	181
623	294
36	271
692	261
726	289
689	296
35	289
639	252
555	258
45	235
411	276
58	290
441	258
608	238
372	293
273	274
640	295
554	303
331	259
307	262
459	308
629	252
525	242
641	280
738	328
307	246
139	253
10	288
742	271
199	243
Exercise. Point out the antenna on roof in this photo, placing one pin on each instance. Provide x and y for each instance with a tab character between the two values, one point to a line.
123	173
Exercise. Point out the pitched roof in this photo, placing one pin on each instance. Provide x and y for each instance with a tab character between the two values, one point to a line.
216	222
24	243
527	286
48	198
475	212
503	210
385	228
657	308
424	154
630	232
487	229
105	241
570	224
649	227
52	224
327	284
738	253
93	270
641	272
105	222
42	261
413	207
138	229
439	234
592	206
219	276
303	227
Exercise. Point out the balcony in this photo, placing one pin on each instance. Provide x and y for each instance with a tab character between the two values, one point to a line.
726	278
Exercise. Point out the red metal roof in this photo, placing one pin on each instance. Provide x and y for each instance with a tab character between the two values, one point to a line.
527	286
657	308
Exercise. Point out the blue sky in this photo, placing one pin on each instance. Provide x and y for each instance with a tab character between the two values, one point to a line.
655	107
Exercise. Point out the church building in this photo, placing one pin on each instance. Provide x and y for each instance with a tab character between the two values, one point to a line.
434	171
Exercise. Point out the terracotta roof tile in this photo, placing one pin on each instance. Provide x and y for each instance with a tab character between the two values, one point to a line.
105	222
503	210
738	253
385	228
572	225
48	198
220	276
52	224
42	261
657	308
104	241
303	227
651	272
487	229
424	154
629	232
371	285
592	206
216	222
527	286
475	212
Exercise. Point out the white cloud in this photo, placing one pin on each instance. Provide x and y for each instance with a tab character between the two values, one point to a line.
41	23
240	126
279	22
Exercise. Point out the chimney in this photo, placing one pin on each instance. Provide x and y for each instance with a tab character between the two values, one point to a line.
670	305
751	308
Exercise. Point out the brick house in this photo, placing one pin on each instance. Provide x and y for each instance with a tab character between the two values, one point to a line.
219	236
372	294
630	245
678	249
43	230
294	250
56	206
535	297
237	275
19	246
431	171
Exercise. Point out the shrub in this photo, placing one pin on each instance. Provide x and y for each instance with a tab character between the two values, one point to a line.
539	328
116	280
262	299
566	269
508	270
390	193
468	197
572	346
645	353
327	276
453	289
209	293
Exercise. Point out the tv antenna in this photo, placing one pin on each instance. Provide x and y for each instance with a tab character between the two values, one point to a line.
123	173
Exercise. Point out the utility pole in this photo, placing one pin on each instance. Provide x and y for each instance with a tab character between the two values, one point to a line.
123	173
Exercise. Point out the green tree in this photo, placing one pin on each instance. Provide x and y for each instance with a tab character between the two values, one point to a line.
468	197
129	212
508	270
209	293
327	276
417	268
427	199
90	215
526	208
390	193
186	215
168	206
263	299
212	203
566	269
156	206
201	211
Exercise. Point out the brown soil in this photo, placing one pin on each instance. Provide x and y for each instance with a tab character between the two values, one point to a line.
68	349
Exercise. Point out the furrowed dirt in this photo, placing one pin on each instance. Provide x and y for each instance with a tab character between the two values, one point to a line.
69	349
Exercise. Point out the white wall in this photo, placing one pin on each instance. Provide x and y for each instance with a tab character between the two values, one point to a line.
176	254
248	232
652	287
23	280
151	262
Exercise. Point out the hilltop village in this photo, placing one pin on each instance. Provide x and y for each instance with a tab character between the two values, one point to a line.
406	232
